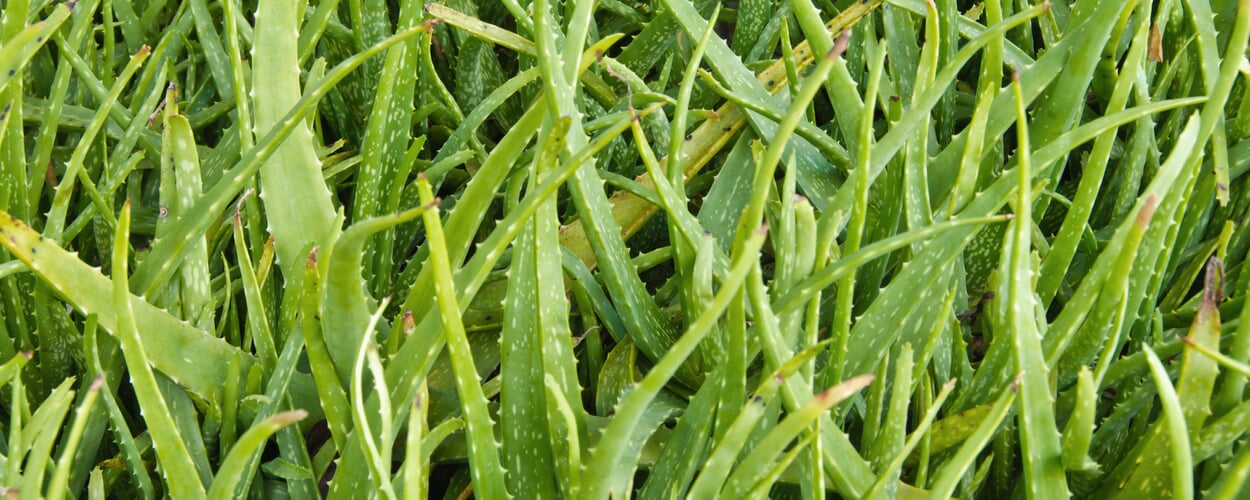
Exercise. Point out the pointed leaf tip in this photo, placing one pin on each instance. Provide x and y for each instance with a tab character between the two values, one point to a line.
1213	285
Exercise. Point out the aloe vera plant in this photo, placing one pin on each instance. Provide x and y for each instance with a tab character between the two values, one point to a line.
665	248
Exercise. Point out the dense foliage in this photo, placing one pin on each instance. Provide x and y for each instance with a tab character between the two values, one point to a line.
591	249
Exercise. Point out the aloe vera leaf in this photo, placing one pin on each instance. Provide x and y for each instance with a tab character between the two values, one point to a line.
19	412
523	414
997	362
886	148
167	340
41	432
235	466
74	172
556	346
277	395
673	198
167	251
1232	481
1112	305
969	28
840	87
631	212
1064	245
12	170
686	449
427	340
1039	438
855	231
386	136
59	484
57	110
463	224
753	16
1209	65
582	279
13	367
187	419
297	202
1079	430
238	82
889	437
1058	107
210	45
819	138
813	167
487	471
948	477
1036	77
830	274
344	302
474	120
728	445
606	460
917	208
330	390
377	455
181	474
848	470
415	473
646	324
487	31
952	430
197	303
751	466
1177	436
502	37
569	420
121	430
1192	395
888	479
257	318
19	49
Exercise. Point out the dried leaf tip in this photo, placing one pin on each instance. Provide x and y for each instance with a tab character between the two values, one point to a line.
289	417
1154	51
410	323
1015	384
1213	285
839	46
846	388
312	258
97	383
1147	211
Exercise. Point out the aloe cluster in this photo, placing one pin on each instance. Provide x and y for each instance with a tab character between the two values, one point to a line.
614	248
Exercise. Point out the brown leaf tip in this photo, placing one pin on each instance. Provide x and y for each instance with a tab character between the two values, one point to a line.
97	383
1213	284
